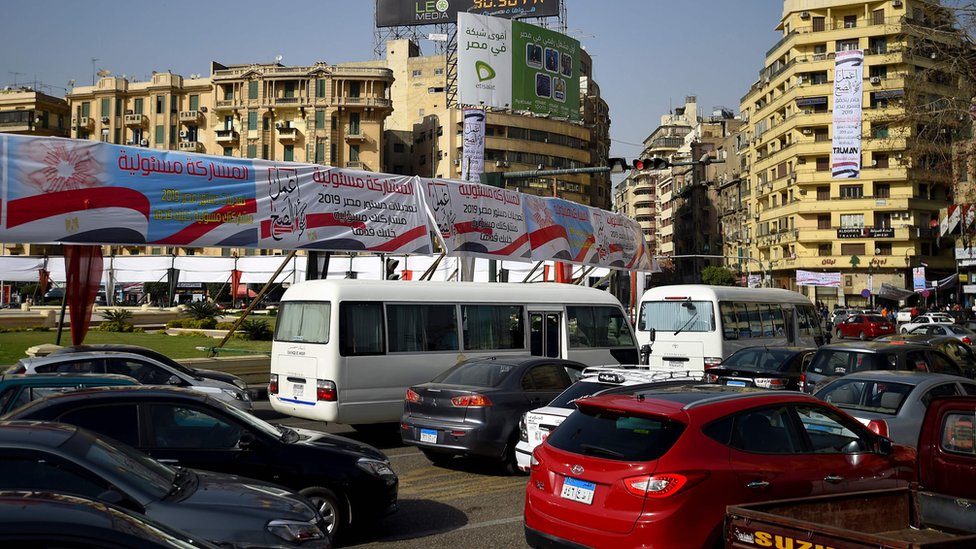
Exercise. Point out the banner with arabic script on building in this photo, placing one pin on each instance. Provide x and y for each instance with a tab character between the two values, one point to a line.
848	86
559	229
478	220
812	278
76	191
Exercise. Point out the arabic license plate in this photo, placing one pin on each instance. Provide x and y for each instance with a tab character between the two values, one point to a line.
298	389
428	435
735	383
578	490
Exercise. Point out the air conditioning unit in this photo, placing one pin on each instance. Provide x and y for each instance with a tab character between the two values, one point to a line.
807	131
184	134
104	120
280	125
130	111
756	217
804	15
144	142
875	79
896	3
747	241
203	109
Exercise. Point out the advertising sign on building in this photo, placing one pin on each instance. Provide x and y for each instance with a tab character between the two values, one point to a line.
918	278
866	232
846	147
397	13
810	278
512	65
473	146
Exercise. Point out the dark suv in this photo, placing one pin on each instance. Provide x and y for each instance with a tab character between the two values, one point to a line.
839	359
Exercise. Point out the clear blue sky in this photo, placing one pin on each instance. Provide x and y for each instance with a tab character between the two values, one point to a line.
647	54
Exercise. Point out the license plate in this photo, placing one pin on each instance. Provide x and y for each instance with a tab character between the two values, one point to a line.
578	490
541	435
428	435
298	389
735	383
676	364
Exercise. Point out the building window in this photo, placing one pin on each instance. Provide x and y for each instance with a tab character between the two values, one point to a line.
850	21
320	152
252	121
819	77
882	190
289	153
879	130
335	122
289	90
398	147
172	134
823	163
333	153
228	92
160	135
877	17
354	88
819	24
848	221
823	250
320	87
851	249
265	152
354	153
847	45
882	220
252	150
137	106
823	221
252	89
820	135
320	120
438	72
160	104
106	107
228	151
416	73
823	193
852	191
882	248
877	44
194	102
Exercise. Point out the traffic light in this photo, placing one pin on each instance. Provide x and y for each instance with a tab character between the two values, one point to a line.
391	265
654	163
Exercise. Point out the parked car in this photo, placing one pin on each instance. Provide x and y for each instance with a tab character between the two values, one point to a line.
765	367
536	424
144	369
961	333
19	389
959	352
864	326
349	482
48	519
838	315
904	315
156	355
838	359
892	403
659	470
221	509
925	320
474	408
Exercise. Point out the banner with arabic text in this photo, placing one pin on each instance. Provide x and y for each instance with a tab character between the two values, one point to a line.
846	142
811	278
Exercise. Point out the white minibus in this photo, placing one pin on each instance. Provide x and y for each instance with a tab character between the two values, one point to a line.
694	326
346	351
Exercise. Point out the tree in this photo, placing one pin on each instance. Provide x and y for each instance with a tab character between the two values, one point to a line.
717	276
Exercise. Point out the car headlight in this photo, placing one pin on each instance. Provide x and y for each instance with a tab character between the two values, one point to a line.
375	467
295	530
239	395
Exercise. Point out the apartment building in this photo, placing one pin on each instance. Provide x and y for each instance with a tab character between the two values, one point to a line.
873	228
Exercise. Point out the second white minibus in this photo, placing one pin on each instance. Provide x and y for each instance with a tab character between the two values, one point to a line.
346	351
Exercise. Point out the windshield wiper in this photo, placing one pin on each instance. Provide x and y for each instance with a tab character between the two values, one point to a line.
600	450
180	481
686	324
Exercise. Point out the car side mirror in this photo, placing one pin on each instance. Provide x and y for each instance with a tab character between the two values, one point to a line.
246	441
645	353
652	334
173	380
885	446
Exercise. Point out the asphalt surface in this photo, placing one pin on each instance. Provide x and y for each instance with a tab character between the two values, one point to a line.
466	503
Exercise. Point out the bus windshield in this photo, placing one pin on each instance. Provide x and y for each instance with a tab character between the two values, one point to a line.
303	322
677	316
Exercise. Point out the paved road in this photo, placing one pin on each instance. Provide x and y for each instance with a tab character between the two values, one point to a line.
466	504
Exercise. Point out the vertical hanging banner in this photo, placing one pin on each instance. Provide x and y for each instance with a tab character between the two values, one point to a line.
918	278
513	65
473	149
848	97
478	220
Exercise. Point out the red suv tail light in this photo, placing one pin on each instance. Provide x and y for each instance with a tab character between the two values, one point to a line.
878	426
471	401
662	485
273	384
326	390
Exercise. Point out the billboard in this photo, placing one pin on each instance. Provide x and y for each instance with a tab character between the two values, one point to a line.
848	76
513	65
397	13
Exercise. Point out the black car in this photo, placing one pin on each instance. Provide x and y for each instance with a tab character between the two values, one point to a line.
474	408
764	367
840	359
958	351
156	355
222	509
47	519
349	482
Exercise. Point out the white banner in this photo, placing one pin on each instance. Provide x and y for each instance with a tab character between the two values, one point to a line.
473	152
848	84
484	46
810	278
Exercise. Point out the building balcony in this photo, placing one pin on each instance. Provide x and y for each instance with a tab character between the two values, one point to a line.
83	122
354	133
287	101
356	165
361	102
191	118
191	146
287	135
134	120
227	137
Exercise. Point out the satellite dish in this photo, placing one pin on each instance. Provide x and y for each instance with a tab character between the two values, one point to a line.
71	83
104	72
278	59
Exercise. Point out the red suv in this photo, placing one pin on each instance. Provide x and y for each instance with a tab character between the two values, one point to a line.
657	468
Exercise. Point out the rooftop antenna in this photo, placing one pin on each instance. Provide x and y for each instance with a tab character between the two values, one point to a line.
15	75
93	60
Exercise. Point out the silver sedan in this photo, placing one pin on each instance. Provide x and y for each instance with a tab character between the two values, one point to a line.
961	333
892	403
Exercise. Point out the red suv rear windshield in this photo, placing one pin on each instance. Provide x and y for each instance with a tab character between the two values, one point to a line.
612	435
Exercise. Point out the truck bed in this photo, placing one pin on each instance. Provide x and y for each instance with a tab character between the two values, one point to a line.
891	519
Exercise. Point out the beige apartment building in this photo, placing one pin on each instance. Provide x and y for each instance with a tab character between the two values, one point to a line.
786	209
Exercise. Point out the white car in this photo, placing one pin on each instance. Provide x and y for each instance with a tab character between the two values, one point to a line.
144	369
536	425
925	320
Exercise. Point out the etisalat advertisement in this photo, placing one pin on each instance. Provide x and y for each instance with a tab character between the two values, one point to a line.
513	65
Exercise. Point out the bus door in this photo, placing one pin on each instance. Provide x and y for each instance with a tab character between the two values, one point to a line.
789	315
545	333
